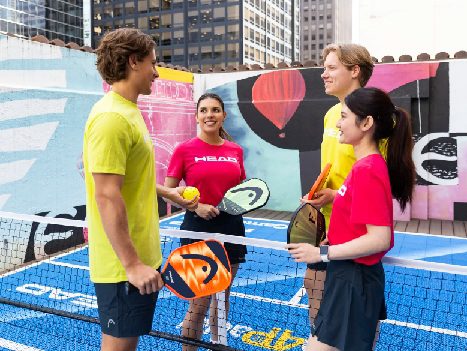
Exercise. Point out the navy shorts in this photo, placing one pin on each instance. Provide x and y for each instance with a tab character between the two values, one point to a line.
319	266
224	223
124	312
353	303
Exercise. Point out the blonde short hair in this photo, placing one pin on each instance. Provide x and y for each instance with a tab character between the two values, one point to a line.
351	55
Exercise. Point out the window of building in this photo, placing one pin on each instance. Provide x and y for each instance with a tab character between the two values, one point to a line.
179	37
166	4
206	52
206	16
233	50
194	35
166	39
313	37
154	5
129	8
178	20
166	20
305	19
193	18
219	14
233	12
154	22
305	47
219	33
219	51
177	4
206	34
233	32
305	37
321	37
143	23
118	10
167	55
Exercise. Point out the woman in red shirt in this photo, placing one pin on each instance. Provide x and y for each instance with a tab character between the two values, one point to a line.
361	228
214	164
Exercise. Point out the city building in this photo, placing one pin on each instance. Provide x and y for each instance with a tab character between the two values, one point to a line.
203	33
400	27
324	22
55	19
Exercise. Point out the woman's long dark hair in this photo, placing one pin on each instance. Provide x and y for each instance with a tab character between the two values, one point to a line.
393	123
222	132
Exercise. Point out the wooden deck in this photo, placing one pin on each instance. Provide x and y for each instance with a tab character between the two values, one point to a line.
433	226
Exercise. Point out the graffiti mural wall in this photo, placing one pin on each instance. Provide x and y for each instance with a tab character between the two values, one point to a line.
46	93
277	116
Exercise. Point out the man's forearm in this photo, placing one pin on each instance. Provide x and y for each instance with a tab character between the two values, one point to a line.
114	219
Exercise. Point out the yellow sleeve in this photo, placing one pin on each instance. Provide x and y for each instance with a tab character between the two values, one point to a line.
108	142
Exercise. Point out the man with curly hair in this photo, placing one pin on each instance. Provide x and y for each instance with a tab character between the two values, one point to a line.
121	201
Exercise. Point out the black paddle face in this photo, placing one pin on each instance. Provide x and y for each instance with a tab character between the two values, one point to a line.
306	226
245	197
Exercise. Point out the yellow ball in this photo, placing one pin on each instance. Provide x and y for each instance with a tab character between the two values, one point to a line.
190	192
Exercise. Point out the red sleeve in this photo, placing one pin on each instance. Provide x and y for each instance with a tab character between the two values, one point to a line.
242	167
176	163
370	198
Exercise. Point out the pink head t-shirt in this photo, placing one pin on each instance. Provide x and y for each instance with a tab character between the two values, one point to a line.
213	169
364	198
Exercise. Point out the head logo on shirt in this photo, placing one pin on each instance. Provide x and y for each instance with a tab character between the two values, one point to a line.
342	190
216	159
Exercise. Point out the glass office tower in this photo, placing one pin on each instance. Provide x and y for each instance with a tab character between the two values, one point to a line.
55	19
198	33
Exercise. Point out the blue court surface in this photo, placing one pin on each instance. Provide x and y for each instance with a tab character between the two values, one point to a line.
426	310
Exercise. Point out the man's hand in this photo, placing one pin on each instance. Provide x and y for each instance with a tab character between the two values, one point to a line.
304	253
206	211
145	278
321	198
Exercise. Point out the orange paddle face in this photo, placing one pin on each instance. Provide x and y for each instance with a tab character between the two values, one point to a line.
319	183
198	269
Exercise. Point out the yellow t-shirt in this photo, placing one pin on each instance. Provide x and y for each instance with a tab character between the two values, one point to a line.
117	141
340	155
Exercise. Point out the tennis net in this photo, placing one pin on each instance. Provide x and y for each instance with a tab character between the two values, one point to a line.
45	290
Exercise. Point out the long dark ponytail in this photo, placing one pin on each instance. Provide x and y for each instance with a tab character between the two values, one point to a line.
222	132
394	124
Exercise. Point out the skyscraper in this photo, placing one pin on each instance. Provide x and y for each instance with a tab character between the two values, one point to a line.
198	33
55	19
324	22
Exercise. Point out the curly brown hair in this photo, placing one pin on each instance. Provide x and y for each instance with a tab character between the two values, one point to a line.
115	49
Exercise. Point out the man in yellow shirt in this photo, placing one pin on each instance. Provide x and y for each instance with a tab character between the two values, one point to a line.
121	201
347	67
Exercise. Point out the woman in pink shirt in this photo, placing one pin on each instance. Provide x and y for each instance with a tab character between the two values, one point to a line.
361	228
214	164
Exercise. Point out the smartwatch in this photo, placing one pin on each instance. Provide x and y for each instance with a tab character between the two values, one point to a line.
323	252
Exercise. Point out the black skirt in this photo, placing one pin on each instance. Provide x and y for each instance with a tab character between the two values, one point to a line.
224	223
353	303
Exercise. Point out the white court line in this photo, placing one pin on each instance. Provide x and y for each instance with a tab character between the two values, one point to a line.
69	265
268	300
298	296
426	328
447	237
11	345
49	260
